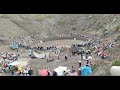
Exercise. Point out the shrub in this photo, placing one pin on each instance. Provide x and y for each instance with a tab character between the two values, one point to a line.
91	49
100	63
62	22
94	66
118	37
116	63
43	17
104	30
117	28
74	28
2	35
0	64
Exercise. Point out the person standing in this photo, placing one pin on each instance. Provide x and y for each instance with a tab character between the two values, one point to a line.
54	73
87	62
73	69
58	58
79	69
81	53
25	72
49	73
79	72
66	57
30	72
12	73
90	64
79	64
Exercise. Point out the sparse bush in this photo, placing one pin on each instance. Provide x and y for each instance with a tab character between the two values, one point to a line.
2	35
74	28
42	17
116	63
94	66
19	23
5	16
101	63
0	64
39	17
62	22
117	28
118	37
91	49
104	30
105	34
49	16
83	29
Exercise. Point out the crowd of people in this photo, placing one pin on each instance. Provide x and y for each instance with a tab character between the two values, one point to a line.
75	49
22	72
6	59
100	51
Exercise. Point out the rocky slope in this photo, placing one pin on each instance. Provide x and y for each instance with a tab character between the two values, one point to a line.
56	24
102	26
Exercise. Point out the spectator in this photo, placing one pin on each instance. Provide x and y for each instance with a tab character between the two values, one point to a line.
90	64
79	72
49	73
87	62
54	73
58	58
64	73
79	64
30	72
66	57
73	69
25	72
81	55
12	73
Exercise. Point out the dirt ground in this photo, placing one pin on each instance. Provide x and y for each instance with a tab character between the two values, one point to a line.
42	63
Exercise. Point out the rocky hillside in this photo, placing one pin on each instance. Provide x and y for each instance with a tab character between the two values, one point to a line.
39	26
13	25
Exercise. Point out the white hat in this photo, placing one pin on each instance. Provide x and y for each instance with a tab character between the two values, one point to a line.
79	61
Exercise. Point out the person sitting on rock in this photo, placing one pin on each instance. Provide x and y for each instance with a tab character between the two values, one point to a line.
73	70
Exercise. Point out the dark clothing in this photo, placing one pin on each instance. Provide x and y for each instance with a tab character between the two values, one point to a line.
81	56
87	62
58	58
86	56
12	73
79	65
54	74
102	57
49	73
73	70
66	57
30	72
79	72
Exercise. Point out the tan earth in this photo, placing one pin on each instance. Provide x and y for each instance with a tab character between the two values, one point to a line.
42	63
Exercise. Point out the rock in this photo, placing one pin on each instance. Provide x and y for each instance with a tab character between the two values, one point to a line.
115	71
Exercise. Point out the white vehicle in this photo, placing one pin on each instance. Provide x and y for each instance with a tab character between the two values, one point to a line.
36	55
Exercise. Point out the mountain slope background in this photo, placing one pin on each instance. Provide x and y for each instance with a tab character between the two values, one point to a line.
13	25
40	26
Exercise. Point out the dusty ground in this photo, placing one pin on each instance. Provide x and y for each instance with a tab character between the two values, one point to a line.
42	63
